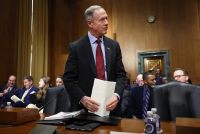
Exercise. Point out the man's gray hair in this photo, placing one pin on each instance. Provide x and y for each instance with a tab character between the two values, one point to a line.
90	10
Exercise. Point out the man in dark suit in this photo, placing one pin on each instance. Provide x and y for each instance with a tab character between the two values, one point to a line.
141	97
81	69
25	92
8	90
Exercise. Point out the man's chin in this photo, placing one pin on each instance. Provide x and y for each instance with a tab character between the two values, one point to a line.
104	32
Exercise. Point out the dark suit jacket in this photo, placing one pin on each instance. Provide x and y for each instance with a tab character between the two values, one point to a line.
7	96
136	104
14	91
27	97
80	69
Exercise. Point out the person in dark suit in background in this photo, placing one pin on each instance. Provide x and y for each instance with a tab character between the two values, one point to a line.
81	69
9	90
127	93
25	92
141	97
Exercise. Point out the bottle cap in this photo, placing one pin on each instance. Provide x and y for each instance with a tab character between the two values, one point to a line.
154	110
149	113
8	103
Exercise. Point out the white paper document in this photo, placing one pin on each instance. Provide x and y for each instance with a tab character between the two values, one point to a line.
15	98
64	115
102	91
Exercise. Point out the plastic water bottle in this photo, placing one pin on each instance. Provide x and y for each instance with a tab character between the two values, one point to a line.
157	118
150	124
8	105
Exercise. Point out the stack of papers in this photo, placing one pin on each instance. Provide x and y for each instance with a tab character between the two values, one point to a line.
102	91
64	115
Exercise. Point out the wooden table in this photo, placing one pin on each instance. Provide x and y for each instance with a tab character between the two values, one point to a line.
181	126
187	125
126	125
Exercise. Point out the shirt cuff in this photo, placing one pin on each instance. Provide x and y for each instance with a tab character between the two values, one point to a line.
118	97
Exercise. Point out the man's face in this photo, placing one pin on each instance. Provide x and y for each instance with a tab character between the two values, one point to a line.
99	23
27	84
151	80
11	81
180	76
139	80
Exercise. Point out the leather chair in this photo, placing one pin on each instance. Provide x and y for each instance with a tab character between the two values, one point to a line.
56	100
176	99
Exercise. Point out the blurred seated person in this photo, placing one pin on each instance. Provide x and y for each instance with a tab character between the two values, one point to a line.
59	80
139	81
164	79
38	98
9	90
127	93
159	78
141	98
23	98
181	75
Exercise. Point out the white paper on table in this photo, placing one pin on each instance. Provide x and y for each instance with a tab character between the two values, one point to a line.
114	132
64	115
102	91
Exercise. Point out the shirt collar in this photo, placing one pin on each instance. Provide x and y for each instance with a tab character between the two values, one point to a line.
93	39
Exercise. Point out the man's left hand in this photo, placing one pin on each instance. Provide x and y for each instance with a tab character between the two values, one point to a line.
112	103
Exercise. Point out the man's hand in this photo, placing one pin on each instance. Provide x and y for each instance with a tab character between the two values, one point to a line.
1	94
112	103
90	104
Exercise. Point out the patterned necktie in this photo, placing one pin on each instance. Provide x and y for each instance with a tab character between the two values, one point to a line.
99	62
146	102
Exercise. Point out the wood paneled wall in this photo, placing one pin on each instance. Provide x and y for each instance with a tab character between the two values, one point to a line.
176	29
8	38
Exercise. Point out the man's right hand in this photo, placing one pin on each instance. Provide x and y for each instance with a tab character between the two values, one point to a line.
90	104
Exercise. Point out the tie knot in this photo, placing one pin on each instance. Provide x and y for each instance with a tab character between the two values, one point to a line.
98	41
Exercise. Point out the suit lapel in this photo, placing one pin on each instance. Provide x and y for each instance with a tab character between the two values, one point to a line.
108	56
89	54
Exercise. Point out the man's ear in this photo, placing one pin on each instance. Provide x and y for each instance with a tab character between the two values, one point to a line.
31	82
89	23
187	77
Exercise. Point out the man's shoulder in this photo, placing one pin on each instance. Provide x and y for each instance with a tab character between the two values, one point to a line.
34	88
137	89
107	39
80	41
15	87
